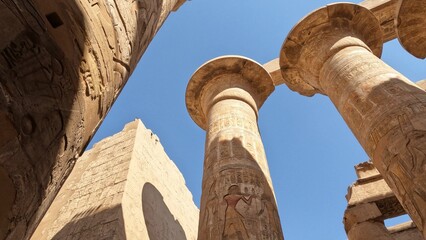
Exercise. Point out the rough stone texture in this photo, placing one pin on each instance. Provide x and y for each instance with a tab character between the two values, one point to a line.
223	97
126	187
411	26
406	231
369	230
332	51
385	12
369	206
62	65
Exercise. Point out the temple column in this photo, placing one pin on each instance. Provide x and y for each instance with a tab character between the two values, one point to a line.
223	97
62	65
334	51
411	26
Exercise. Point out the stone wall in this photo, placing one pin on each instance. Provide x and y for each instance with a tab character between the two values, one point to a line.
126	187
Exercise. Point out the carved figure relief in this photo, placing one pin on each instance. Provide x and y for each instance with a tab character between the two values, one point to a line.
234	220
406	170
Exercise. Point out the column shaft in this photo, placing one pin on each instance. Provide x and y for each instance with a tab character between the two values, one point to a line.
331	52
237	202
387	114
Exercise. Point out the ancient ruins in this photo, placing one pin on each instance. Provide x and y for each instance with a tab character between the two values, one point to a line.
223	97
64	63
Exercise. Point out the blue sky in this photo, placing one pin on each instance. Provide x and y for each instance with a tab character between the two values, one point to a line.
310	150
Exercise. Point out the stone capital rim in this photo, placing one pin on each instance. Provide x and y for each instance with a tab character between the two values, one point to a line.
248	69
410	26
353	21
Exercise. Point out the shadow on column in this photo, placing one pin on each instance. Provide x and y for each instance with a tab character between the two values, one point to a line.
238	202
160	222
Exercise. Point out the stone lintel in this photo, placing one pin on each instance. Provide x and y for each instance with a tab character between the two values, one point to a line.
366	170
360	213
406	231
390	207
220	74
273	68
321	34
402	227
368	192
379	210
385	12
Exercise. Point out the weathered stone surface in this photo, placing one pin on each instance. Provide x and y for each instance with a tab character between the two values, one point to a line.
332	51
383	10
406	231
411	26
126	187
369	192
364	217
366	171
223	97
62	65
360	213
369	230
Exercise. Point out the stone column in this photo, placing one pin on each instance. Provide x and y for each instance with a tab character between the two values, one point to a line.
223	97
411	26
334	51
62	65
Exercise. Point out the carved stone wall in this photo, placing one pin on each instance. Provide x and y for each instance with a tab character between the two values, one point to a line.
62	65
370	202
126	187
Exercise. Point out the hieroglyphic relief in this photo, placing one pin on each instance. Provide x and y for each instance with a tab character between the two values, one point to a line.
391	131
237	200
239	205
39	92
385	111
404	163
234	220
62	66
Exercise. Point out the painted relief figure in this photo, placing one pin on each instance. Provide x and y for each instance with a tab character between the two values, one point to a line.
234	221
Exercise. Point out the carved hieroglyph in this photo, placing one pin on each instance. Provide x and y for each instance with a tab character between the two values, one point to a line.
223	97
62	65
334	51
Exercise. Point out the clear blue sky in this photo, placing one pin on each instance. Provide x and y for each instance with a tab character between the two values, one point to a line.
311	151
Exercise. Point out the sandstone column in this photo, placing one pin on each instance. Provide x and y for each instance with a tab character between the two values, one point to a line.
411	26
334	51
223	97
62	65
